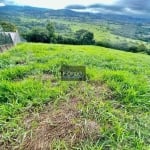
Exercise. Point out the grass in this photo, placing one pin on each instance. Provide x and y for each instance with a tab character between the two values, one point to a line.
102	31
116	96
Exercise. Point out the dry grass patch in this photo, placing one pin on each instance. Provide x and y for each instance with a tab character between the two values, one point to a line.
64	123
62	120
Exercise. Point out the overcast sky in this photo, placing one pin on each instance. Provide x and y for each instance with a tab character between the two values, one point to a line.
133	7
57	3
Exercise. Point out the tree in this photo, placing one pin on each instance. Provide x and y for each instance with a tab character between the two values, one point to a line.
66	40
8	27
133	49
37	35
51	31
84	37
141	47
148	51
1	29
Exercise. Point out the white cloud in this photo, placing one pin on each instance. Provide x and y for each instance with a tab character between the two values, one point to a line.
2	4
131	11
98	10
62	3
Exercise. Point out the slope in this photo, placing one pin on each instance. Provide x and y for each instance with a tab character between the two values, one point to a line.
108	111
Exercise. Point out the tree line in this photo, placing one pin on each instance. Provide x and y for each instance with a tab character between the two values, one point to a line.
47	35
81	37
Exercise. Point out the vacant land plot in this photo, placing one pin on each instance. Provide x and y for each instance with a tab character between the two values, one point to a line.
108	111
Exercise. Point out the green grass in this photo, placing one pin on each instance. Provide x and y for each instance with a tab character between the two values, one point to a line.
30	78
101	29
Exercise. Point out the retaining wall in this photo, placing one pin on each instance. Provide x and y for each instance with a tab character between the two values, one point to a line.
5	47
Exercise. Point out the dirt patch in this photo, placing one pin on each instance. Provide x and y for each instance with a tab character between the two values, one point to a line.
62	120
64	123
100	90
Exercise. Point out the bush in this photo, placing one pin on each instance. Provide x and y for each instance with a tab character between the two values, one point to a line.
37	35
84	37
141	48
133	49
51	31
8	27
148	51
64	40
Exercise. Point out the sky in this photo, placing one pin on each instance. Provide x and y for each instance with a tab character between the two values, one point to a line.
131	7
57	4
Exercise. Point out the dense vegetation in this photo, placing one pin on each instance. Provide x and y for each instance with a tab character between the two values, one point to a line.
125	26
115	31
47	35
80	37
111	108
7	26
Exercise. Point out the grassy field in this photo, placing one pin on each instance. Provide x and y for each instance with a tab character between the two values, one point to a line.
102	31
109	111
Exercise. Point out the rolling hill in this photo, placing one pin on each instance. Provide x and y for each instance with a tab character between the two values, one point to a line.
111	30
26	17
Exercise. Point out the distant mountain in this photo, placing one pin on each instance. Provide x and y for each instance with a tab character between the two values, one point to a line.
26	18
14	12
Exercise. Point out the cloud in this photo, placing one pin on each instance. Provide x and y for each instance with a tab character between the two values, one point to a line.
75	7
58	4
2	4
137	5
7	2
126	7
106	7
97	8
129	7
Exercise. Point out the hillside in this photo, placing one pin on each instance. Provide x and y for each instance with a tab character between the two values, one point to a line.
110	110
123	26
110	30
40	13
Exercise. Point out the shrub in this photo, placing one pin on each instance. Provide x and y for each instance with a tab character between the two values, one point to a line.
84	37
37	35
